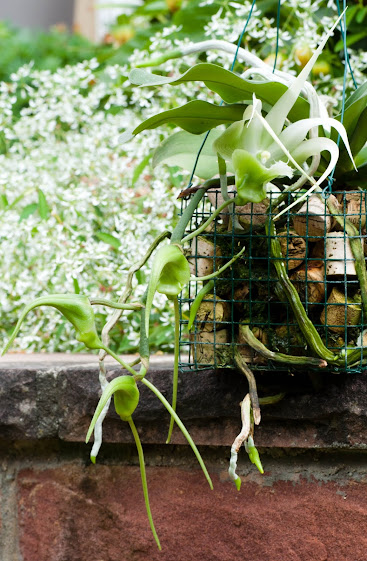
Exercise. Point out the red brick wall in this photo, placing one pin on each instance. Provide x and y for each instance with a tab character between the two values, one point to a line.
310	504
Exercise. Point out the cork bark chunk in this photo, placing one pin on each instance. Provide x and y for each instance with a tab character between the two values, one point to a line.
340	312
313	219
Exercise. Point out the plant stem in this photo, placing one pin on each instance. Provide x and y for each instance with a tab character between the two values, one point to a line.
175	366
160	60
180	424
356	247
355	355
308	329
210	183
136	267
260	348
196	303
119	360
186	216
144	479
270	399
116	305
251	384
220	271
207	222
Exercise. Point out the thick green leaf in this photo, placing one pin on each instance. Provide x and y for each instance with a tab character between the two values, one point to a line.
361	158
357	141
109	239
354	122
231	87
352	179
354	106
181	150
195	117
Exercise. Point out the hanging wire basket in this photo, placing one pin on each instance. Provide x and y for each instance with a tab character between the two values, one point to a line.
316	252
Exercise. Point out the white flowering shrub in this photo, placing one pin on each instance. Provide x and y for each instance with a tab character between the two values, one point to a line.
77	208
74	214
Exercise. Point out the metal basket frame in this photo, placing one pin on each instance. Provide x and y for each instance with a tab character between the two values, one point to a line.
262	308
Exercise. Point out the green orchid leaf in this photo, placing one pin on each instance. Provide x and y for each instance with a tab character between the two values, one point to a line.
361	158
357	141
195	117
231	87
354	107
76	308
170	273
126	399
181	149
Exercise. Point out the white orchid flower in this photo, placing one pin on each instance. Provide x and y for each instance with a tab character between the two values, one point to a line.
261	149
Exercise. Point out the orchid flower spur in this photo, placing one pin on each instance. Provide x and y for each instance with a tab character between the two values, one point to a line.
170	273
126	398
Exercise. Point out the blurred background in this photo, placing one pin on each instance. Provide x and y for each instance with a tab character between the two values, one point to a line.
86	16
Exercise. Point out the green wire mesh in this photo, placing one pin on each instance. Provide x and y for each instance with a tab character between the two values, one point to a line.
319	263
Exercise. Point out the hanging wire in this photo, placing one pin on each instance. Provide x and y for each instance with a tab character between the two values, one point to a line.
343	30
221	103
346	54
277	44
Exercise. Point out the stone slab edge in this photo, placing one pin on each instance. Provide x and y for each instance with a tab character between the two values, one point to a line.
42	397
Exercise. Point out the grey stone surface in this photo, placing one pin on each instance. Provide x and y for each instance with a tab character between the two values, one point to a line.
43	397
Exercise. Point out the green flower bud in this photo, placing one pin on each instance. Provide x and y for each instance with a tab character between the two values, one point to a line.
126	399
170	273
254	454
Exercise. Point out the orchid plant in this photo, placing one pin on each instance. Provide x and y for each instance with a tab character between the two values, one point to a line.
268	128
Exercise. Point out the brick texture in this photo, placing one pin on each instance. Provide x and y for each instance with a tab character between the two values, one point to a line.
97	513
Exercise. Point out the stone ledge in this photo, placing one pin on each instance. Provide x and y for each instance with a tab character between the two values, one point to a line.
53	397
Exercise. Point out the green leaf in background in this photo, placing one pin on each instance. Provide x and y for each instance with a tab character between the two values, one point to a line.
3	146
231	87
139	169
355	107
109	239
76	286
27	211
3	202
357	140
361	158
351	39
43	207
181	150
195	117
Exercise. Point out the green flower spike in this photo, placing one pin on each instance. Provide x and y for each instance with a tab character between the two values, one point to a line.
77	309
126	398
